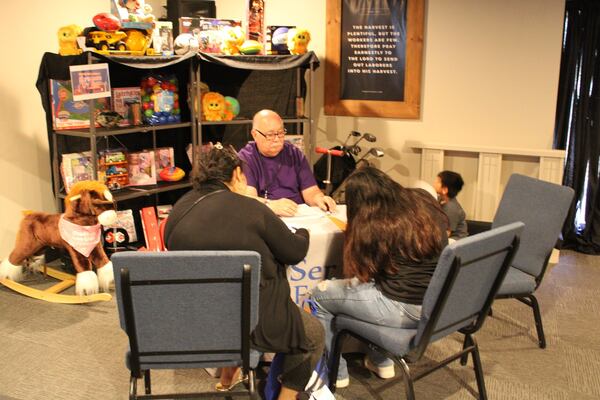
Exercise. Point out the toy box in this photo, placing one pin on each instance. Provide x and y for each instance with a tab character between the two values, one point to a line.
121	100
113	168
165	158
70	114
276	39
162	38
142	168
76	167
207	31
160	100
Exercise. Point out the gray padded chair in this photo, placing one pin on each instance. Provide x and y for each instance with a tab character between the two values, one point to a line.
460	293
188	309
543	207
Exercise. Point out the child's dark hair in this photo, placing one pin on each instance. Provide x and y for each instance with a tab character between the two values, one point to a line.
452	181
218	163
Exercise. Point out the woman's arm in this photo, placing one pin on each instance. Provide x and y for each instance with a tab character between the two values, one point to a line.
288	247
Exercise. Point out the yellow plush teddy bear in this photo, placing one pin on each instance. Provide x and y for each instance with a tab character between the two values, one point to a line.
298	40
231	40
213	106
67	40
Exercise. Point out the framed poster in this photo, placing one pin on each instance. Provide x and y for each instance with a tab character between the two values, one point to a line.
373	58
90	81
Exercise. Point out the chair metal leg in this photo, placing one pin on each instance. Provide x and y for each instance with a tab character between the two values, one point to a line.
408	382
466	343
132	387
334	359
538	321
147	383
478	370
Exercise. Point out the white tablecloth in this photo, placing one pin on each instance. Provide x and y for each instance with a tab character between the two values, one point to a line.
324	251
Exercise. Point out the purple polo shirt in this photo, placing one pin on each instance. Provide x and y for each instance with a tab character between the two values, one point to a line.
284	176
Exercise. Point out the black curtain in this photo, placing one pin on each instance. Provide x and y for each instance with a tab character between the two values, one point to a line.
577	128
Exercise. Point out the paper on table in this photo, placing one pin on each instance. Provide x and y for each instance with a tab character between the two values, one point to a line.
304	216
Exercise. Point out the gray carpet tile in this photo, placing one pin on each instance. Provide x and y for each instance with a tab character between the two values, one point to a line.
53	351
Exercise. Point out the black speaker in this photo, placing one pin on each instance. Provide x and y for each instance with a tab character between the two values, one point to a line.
189	8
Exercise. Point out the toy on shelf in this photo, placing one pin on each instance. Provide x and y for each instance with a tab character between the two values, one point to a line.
213	106
88	205
298	40
67	40
251	47
232	108
232	39
160	100
106	22
185	43
171	174
113	168
134	14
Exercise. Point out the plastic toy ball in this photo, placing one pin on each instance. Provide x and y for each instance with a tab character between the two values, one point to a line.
232	105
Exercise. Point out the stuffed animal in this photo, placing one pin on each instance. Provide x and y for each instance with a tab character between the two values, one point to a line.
298	40
67	40
232	39
213	106
88	205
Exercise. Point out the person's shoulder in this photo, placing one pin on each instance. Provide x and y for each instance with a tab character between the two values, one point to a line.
249	150
292	151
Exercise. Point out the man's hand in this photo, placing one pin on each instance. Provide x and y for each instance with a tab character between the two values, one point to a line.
283	207
325	203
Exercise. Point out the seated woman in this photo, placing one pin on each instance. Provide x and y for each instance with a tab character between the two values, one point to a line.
393	239
216	215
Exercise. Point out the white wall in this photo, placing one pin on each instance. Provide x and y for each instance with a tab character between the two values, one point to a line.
490	78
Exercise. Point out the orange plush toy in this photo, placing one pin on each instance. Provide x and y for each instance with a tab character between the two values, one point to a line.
213	106
88	205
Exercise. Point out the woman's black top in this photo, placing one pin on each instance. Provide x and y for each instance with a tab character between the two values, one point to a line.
410	282
229	221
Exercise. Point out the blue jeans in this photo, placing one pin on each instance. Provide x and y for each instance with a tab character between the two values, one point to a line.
362	301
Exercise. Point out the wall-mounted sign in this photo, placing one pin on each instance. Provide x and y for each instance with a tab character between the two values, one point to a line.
373	62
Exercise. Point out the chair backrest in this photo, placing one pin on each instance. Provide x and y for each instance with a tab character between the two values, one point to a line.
187	309
468	274
543	207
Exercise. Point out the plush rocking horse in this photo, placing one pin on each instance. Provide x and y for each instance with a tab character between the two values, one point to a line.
88	205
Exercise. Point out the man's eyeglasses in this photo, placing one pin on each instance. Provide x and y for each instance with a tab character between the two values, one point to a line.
270	136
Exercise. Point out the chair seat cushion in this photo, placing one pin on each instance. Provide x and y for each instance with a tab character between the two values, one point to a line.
395	340
516	282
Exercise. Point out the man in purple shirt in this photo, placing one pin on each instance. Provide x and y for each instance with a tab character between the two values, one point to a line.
277	172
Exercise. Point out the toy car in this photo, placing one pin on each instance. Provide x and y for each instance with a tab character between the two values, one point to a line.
106	40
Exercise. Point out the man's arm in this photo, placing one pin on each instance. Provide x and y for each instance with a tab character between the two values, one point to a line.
314	197
281	207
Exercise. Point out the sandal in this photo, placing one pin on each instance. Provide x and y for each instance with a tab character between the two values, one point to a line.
237	378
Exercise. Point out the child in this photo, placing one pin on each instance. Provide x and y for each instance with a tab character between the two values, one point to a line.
447	185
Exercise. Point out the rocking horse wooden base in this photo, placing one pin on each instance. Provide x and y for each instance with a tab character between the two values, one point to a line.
53	293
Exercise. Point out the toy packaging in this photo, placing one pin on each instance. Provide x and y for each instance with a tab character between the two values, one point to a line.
255	16
142	168
113	168
122	98
160	100
70	114
162	38
125	221
276	39
207	31
76	167
165	158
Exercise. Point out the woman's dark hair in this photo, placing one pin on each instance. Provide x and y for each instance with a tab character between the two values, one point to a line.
387	223
218	163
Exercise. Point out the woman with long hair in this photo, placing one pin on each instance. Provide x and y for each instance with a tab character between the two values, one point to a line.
393	239
216	215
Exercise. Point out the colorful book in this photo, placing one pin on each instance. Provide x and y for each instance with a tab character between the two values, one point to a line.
142	168
165	158
150	227
76	167
70	114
